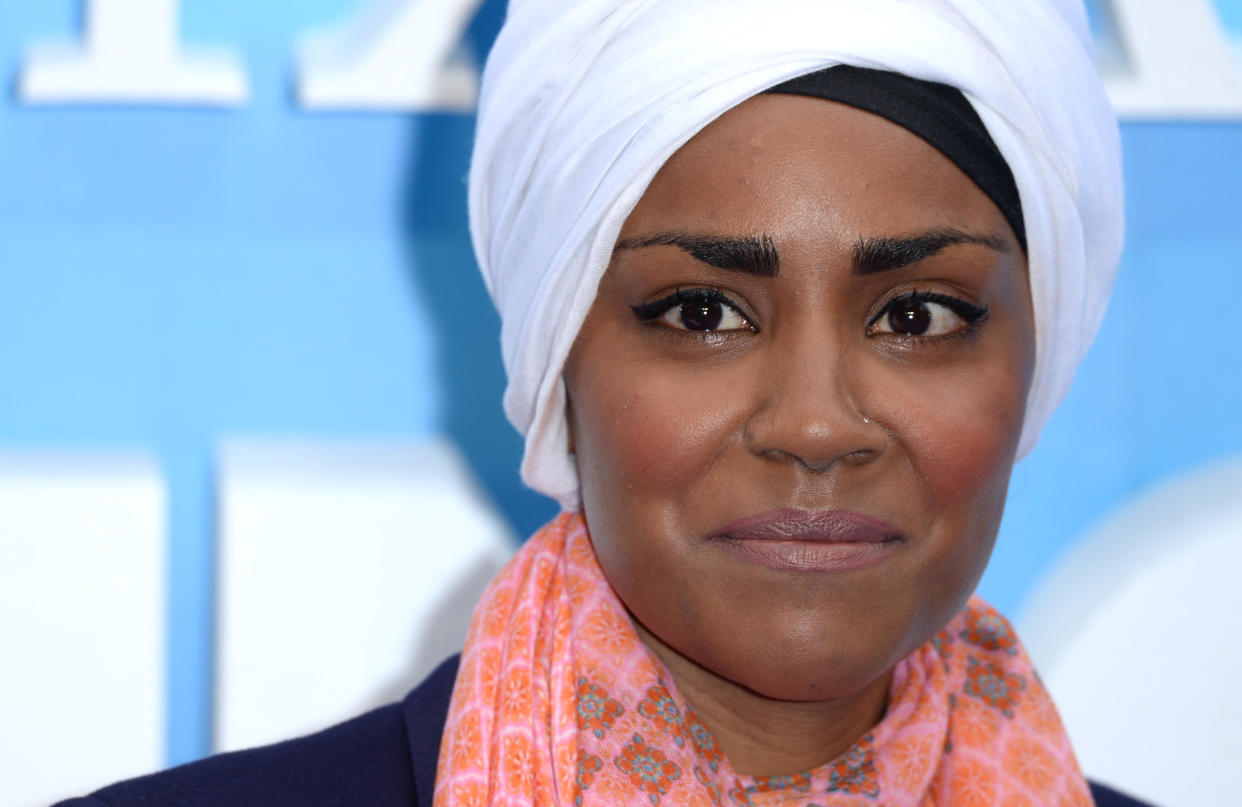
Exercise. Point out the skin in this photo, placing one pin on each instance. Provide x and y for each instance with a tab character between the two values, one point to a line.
809	405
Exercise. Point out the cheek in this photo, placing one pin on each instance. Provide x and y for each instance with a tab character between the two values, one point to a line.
647	436
960	434
972	444
651	430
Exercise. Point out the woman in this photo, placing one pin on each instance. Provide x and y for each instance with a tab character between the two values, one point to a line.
786	287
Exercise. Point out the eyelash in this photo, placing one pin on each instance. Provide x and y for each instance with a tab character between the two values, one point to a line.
649	312
972	315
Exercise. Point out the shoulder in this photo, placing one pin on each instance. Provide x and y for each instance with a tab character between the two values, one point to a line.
385	757
362	761
1105	796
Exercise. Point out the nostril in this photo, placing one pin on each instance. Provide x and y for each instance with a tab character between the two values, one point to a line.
862	455
816	444
853	458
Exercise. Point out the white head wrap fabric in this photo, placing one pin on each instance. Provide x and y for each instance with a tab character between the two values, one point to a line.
584	100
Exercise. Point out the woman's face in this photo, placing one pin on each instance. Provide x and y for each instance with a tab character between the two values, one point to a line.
796	400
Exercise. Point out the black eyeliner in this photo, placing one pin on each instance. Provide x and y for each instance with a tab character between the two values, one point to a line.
649	311
969	312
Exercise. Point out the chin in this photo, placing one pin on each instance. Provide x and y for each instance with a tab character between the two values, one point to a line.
816	654
805	680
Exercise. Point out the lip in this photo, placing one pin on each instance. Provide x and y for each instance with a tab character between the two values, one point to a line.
810	540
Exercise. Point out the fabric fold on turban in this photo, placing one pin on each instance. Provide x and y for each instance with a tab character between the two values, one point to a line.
584	100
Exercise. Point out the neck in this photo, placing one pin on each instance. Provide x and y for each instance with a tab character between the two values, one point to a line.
763	736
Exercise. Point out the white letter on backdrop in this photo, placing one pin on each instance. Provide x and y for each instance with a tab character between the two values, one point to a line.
393	55
1180	63
131	54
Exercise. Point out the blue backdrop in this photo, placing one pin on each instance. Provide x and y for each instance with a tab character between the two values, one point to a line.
172	275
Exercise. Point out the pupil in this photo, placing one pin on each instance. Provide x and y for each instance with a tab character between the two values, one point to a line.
911	319
701	316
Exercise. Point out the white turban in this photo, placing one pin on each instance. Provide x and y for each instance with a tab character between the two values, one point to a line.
584	100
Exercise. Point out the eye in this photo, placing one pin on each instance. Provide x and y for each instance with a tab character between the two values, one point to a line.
700	310
925	314
704	315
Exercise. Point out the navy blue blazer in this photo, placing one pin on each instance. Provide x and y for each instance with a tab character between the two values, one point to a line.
385	758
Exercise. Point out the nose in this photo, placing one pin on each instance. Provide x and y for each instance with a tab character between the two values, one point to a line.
812	409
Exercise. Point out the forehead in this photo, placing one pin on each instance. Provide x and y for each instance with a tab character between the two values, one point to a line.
800	169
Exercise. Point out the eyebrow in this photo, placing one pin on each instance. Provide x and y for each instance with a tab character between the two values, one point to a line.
752	255
882	253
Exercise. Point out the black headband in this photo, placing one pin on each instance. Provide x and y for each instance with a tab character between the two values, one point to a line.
938	113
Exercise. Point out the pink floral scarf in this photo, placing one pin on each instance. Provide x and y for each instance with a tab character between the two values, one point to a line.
558	702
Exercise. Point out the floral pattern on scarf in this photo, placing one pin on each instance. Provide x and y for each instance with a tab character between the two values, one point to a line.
558	702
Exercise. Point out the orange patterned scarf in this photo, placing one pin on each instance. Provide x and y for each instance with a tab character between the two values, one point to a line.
557	702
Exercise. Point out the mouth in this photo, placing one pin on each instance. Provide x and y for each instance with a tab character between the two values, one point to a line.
810	540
